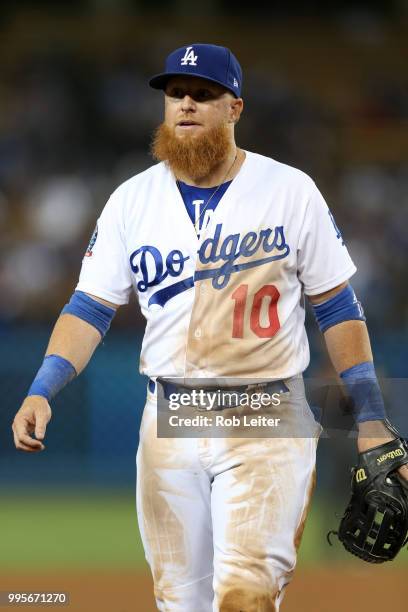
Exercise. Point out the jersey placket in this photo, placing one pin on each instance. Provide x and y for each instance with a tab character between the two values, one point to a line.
201	298
201	308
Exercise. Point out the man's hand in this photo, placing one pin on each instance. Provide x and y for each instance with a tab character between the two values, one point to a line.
375	433
32	418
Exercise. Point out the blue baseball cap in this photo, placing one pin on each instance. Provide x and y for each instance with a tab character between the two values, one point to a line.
209	62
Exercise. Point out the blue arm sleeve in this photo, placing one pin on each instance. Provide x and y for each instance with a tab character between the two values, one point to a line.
93	312
344	306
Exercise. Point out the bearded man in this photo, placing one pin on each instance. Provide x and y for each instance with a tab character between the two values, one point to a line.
220	245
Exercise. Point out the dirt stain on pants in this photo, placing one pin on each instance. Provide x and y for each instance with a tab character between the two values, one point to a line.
247	600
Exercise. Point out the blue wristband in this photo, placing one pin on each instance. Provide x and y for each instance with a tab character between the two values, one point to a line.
53	375
93	312
364	390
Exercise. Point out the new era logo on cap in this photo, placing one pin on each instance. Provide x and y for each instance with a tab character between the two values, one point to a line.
211	62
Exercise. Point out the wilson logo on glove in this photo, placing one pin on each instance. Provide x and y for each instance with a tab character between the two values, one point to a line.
361	475
390	455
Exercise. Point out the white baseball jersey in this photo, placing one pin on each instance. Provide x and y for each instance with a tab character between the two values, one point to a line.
232	302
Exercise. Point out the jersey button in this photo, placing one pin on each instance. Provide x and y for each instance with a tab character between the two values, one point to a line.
197	332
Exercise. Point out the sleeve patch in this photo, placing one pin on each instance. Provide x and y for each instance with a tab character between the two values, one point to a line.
91	244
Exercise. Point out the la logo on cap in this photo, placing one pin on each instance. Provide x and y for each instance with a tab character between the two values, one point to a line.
189	58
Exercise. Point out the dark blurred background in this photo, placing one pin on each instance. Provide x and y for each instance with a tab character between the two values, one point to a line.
325	90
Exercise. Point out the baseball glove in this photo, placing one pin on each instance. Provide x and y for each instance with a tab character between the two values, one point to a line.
375	524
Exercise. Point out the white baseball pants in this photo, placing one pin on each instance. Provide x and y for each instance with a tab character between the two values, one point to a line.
221	518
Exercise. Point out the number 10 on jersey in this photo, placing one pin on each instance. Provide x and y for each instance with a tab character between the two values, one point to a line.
240	296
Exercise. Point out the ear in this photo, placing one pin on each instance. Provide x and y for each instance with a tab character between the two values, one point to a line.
236	108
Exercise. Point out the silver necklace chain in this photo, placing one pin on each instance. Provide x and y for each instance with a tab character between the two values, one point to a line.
197	221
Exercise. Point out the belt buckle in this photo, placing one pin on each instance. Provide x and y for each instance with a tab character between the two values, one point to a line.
256	386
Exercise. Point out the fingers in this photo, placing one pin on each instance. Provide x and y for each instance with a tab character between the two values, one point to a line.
32	417
25	442
403	471
40	428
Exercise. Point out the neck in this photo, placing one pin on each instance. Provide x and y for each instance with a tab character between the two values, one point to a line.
223	172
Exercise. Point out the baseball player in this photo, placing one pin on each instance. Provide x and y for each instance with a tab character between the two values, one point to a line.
220	245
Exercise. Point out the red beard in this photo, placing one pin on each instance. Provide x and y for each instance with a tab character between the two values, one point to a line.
192	156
